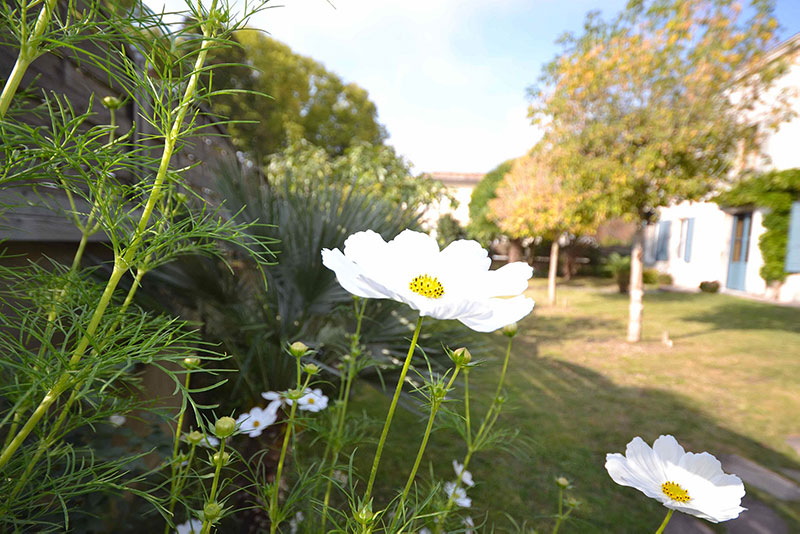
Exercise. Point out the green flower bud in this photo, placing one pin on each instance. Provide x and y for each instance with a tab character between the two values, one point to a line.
572	502
511	330
563	482
194	437
191	363
295	394
225	458
311	369
461	357
224	427
298	349
111	102
212	511
365	515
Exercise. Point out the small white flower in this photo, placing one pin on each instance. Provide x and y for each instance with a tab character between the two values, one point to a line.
312	401
466	476
425	530
470	524
454	283
273	396
192	526
117	420
209	441
460	498
691	483
294	523
256	420
339	476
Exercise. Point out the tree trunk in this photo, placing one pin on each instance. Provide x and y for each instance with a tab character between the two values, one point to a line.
636	287
569	265
515	252
552	273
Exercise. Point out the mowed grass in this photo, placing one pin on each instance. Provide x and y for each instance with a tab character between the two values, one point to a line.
576	391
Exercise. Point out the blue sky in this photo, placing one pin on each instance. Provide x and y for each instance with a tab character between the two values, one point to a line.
449	77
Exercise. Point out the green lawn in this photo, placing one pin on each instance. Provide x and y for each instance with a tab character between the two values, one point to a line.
730	384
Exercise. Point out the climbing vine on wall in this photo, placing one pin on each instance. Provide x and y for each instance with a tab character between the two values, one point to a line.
774	190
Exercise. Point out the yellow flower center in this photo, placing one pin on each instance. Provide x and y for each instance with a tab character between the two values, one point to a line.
256	423
311	400
427	287
675	492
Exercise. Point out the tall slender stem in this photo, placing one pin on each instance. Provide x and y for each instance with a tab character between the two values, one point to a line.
664	523
436	403
488	422
27	53
213	495
273	504
392	407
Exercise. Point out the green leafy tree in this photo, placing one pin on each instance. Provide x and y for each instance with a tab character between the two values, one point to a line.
531	202
647	109
305	100
480	227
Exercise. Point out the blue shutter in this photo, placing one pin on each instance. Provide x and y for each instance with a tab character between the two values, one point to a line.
662	252
793	246
687	247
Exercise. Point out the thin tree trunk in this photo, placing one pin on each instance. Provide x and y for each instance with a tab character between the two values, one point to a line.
552	273
515	252
636	290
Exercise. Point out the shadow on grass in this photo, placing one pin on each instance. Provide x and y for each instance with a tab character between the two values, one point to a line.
571	417
740	314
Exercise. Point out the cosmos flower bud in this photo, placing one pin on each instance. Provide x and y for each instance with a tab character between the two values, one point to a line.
461	357
225	458
311	369
562	482
298	349
510	330
224	427
194	437
191	363
212	511
111	102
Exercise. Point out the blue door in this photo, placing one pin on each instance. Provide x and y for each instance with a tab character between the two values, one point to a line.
737	266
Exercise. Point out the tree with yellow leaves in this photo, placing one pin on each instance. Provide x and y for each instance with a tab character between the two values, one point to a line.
531	202
653	107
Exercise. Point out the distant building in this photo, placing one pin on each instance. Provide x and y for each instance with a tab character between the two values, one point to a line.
700	241
460	185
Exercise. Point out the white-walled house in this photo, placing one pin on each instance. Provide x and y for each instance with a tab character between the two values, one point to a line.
460	185
701	241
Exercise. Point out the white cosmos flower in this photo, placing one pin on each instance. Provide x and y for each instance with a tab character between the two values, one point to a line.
256	420
312	401
454	283
192	526
684	481
460	498
466	476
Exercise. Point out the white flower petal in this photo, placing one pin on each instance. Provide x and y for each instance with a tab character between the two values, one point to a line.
668	449
468	254
508	280
348	274
499	313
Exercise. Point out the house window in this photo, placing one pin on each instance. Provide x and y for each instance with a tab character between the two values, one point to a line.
685	247
793	245
662	244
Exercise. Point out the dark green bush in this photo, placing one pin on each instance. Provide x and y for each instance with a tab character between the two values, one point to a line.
709	287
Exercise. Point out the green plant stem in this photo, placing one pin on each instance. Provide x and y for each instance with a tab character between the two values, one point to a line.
488	422
560	510
392	407
175	478
467	422
206	528
434	409
123	260
664	523
344	397
273	501
28	52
